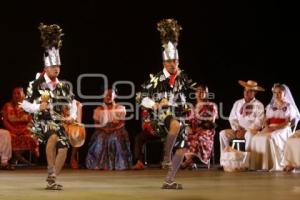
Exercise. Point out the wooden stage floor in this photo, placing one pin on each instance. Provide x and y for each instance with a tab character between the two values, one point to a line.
28	184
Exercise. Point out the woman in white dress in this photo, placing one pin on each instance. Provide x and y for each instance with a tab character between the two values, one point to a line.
291	158
267	147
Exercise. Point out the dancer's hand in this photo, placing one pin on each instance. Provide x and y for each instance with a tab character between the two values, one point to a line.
156	106
69	120
43	106
240	133
269	129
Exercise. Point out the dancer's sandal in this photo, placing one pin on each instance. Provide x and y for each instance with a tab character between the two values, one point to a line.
51	179
172	185
54	186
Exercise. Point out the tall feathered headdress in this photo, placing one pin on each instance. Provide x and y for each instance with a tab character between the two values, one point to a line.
51	41
169	33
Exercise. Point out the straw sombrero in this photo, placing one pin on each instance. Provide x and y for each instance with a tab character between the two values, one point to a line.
251	85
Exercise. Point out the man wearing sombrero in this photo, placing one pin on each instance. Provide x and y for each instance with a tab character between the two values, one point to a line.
246	117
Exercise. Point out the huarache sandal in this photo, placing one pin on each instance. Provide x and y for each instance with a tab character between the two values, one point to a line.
54	186
172	185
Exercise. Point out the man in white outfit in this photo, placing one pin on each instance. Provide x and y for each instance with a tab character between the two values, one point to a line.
246	117
5	148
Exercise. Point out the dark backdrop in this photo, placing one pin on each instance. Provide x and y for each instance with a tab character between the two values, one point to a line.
221	42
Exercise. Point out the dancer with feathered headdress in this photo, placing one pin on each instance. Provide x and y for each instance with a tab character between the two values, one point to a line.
164	99
46	99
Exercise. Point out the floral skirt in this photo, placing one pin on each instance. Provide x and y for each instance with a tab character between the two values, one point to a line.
201	143
24	141
109	151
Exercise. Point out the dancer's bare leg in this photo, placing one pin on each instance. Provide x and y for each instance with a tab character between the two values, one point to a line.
170	177
60	159
176	161
171	139
55	161
51	154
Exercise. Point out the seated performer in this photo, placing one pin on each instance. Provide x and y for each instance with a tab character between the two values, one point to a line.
291	156
267	147
109	146
5	149
202	130
246	117
142	137
17	122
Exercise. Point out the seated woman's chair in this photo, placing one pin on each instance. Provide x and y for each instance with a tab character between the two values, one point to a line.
238	144
294	125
